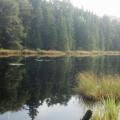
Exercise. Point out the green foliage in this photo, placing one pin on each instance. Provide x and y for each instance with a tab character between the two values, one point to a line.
11	32
107	110
55	25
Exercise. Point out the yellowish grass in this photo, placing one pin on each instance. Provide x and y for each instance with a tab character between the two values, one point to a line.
7	53
51	52
76	53
98	87
104	88
109	110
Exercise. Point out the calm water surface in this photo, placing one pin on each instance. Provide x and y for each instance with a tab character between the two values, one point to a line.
42	88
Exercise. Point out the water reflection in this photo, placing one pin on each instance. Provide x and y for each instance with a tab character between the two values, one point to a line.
47	82
73	111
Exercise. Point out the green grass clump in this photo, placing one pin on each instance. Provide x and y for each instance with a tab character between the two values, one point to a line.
109	110
98	87
102	88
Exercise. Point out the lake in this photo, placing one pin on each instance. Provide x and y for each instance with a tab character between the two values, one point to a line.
36	88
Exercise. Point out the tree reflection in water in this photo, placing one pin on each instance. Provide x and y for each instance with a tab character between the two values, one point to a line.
36	82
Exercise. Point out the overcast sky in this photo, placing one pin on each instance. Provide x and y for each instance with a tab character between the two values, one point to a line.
100	7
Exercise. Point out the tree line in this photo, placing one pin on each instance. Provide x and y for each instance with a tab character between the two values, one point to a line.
56	25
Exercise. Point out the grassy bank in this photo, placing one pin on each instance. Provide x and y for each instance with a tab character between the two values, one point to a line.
78	53
56	53
7	53
98	87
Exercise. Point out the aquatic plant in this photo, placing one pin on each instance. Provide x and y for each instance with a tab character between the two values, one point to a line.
107	110
98	87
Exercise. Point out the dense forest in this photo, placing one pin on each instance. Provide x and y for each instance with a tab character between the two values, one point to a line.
56	25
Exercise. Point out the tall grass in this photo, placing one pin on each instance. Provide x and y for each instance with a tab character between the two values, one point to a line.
103	88
109	110
98	87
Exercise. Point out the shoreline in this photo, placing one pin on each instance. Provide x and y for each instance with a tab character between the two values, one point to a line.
55	53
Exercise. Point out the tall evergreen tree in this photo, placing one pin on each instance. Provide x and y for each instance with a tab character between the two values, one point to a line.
11	32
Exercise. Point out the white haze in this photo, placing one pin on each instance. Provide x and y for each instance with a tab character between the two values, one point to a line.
100	7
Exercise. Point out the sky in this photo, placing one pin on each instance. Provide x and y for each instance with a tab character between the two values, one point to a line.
100	7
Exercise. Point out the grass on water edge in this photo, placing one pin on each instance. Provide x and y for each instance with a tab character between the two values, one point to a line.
75	53
30	53
98	87
107	110
102	88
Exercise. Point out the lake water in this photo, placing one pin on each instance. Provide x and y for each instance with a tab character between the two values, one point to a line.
42	88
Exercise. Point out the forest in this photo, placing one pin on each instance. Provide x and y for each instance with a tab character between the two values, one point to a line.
55	25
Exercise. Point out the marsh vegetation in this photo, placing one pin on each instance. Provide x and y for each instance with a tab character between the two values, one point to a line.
55	53
107	109
104	89
98	86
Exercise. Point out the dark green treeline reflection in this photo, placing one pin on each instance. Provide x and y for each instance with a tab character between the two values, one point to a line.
47	80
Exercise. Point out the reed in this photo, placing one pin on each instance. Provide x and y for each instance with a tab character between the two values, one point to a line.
108	110
76	53
98	87
26	52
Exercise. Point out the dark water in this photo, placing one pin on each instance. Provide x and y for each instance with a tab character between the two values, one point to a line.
41	88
